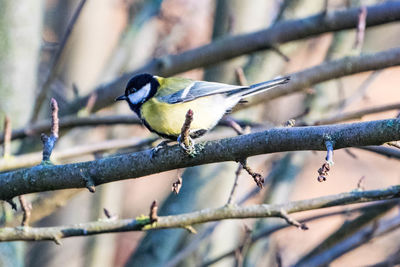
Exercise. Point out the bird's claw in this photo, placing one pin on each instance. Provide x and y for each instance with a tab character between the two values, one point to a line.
158	147
188	149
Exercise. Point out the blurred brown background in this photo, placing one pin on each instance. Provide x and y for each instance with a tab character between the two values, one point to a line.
111	37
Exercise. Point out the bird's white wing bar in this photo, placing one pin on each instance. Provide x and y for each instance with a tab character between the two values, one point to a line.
198	89
186	91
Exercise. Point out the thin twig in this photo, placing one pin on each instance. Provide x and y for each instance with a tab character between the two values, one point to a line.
90	103
26	209
326	167
235	184
239	130
242	250
241	77
258	179
53	66
356	114
46	204
361	90
360	183
50	141
362	17
235	126
7	137
382	150
292	221
54	118
280	53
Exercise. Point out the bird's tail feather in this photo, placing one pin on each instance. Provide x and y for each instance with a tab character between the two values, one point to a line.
259	87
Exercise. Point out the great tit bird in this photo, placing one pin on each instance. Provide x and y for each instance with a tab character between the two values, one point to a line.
162	103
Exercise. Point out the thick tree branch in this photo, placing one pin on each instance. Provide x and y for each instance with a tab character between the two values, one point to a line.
42	178
203	216
233	46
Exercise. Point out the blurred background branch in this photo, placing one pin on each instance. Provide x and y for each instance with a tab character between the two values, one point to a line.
343	57
187	220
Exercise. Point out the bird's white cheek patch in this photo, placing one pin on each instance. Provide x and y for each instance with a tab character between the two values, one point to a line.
140	95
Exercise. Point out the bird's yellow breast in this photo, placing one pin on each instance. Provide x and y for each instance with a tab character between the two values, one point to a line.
168	118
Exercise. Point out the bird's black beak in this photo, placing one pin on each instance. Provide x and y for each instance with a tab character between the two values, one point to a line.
122	97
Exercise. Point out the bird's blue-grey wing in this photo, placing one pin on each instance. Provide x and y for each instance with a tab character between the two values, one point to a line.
198	89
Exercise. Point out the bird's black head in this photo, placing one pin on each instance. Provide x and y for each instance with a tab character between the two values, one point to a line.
139	89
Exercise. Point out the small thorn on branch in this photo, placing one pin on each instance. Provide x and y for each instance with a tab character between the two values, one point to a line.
12	204
26	209
56	240
176	186
89	183
360	184
326	167
91	188
7	137
256	176
50	141
75	90
190	229
184	138
153	212
109	215
283	214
